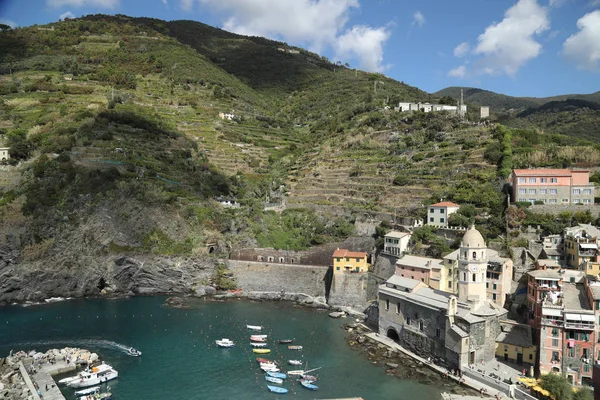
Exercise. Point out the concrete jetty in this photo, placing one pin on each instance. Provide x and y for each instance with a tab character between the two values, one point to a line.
44	380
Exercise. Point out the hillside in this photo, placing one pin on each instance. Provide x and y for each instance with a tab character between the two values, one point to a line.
120	148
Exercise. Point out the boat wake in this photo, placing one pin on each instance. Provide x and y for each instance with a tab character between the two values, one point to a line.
83	343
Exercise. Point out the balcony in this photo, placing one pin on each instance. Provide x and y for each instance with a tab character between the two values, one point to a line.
587	253
553	322
579	325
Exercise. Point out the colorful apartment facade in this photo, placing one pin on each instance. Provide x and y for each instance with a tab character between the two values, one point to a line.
552	186
346	261
419	268
438	214
515	344
580	245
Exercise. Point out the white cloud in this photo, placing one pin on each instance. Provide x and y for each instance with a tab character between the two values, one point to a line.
461	50
506	46
67	14
8	22
165	2
366	44
583	47
316	24
458	72
418	18
83	3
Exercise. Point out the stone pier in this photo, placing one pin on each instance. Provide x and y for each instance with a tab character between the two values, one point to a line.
43	378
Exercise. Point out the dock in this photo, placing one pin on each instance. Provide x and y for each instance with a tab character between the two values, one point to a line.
44	381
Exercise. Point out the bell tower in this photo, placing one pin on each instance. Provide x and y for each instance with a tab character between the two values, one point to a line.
472	268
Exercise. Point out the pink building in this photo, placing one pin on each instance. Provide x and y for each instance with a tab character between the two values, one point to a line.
552	186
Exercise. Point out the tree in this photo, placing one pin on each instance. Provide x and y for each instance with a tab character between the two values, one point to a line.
20	147
583	394
557	385
5	28
515	216
450	101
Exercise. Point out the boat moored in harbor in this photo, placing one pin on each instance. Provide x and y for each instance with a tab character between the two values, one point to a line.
277	389
224	343
254	327
97	376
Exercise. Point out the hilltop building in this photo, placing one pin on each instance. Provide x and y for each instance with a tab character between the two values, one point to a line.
484	112
429	107
396	243
552	186
462	330
580	244
438	214
4	153
345	261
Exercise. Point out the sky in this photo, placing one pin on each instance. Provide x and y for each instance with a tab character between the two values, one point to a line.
532	48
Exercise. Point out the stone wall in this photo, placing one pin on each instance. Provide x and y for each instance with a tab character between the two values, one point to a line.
385	266
253	276
558	208
349	289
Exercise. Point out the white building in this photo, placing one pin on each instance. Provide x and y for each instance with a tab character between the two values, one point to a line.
396	243
4	153
428	107
438	214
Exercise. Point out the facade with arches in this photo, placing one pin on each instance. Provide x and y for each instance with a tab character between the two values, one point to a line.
4	153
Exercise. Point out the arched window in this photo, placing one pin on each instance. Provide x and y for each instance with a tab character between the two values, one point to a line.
292	261
474	255
281	259
464	276
474	277
270	259
260	258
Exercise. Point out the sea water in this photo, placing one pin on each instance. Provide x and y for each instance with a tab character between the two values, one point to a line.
181	360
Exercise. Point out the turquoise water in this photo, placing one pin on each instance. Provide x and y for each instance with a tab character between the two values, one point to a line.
180	359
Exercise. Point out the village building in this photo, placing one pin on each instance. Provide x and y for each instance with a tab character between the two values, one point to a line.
419	268
563	314
515	344
396	243
432	323
580	244
438	214
484	112
552	186
346	261
4	153
429	107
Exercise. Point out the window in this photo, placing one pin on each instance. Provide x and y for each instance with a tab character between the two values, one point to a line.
565	200
474	255
531	191
552	201
555	356
438	332
431	219
586	367
449	285
553	180
553	191
543	180
555	332
474	277
572	352
387	304
358	260
531	180
347	259
522	180
554	342
576	201
441	220
576	191
494	286
407	320
421	326
441	210
522	191
337	268
487	285
587	201
585	353
494	296
530	356
543	191
532	201
398	308
587	191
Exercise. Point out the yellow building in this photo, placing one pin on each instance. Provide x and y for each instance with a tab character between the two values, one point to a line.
580	244
349	261
515	344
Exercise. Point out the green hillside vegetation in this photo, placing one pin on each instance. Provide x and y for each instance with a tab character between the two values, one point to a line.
115	123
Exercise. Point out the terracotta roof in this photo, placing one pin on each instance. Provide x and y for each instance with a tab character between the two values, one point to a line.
445	204
350	254
547	171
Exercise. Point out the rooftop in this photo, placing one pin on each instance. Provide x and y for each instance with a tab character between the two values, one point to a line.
545	172
583	230
574	297
515	334
339	253
396	234
548	262
418	262
595	289
445	204
546	274
402	283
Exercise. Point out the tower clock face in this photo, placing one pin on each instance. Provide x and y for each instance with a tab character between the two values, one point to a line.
473	268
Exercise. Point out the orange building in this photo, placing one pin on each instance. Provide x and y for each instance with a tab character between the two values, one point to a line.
552	186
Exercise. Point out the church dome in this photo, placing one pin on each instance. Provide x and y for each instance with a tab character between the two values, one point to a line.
473	239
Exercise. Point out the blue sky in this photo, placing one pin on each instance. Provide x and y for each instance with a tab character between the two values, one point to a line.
516	47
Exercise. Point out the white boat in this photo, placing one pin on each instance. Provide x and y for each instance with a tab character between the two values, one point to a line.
96	377
274	380
254	327
258	344
85	374
88	391
295	362
134	352
224	343
270	369
297	372
260	336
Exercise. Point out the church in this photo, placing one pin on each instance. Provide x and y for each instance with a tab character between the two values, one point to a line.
460	330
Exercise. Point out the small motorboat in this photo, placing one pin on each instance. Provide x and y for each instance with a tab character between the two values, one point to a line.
254	327
279	375
277	389
296	372
295	347
308	384
258	344
294	362
96	396
264	360
134	352
258	338
273	380
91	390
285	341
308	377
269	368
261	351
224	343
